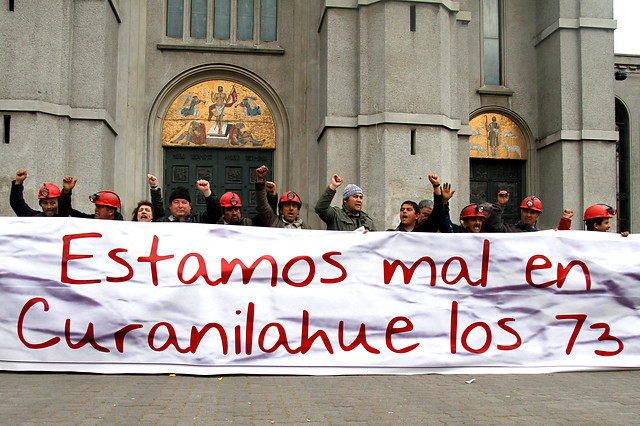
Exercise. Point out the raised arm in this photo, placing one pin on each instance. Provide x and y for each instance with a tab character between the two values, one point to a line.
266	213
323	206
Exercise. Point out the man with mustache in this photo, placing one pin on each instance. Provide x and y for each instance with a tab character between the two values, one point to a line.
350	216
288	207
231	213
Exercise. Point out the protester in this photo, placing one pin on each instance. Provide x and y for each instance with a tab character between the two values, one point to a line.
408	216
447	193
596	218
180	205
157	204
530	211
288	207
436	218
350	216
272	201
143	212
149	211
231	213
425	207
472	218
565	220
48	198
106	203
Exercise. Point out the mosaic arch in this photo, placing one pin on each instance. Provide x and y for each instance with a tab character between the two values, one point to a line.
219	114
496	136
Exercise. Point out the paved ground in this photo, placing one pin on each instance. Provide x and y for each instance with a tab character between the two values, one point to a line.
561	398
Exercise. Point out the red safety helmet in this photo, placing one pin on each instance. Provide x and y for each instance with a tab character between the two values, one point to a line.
105	198
532	203
290	197
473	210
598	211
49	190
230	199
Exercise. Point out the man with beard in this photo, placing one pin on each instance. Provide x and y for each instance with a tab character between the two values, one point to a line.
231	213
288	207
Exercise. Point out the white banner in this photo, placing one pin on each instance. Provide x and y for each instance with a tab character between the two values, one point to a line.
127	297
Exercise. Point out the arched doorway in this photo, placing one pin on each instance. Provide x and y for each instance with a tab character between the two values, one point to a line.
218	123
623	156
498	151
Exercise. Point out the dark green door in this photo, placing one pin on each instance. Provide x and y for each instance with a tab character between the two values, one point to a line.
225	169
488	177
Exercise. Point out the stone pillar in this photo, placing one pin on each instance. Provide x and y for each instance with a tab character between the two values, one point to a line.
576	150
397	103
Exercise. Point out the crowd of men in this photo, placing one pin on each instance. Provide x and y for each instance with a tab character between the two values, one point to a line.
426	216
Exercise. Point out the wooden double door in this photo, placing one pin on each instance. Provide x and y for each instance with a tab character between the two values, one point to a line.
488	177
226	170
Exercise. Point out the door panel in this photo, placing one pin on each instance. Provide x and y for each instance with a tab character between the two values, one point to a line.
488	177
225	169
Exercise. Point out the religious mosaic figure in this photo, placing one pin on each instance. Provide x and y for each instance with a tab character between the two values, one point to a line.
251	109
191	110
196	134
238	117
220	102
493	134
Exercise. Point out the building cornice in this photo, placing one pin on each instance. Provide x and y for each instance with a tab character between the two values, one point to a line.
36	106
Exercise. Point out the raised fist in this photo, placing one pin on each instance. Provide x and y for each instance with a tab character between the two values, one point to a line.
271	187
503	197
336	181
203	186
434	179
21	175
261	173
567	213
153	181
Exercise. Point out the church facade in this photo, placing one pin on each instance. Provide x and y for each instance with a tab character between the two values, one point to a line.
489	94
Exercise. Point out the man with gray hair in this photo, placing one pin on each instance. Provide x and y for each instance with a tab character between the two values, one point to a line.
425	207
350	216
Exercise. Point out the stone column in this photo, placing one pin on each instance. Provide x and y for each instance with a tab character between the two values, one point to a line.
397	103
576	150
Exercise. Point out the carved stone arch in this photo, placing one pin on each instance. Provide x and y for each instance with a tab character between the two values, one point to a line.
232	73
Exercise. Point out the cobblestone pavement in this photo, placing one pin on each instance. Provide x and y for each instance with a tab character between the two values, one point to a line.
560	398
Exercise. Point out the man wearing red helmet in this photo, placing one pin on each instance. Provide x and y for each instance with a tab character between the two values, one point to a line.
472	218
596	218
231	213
288	207
48	198
106	203
530	211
